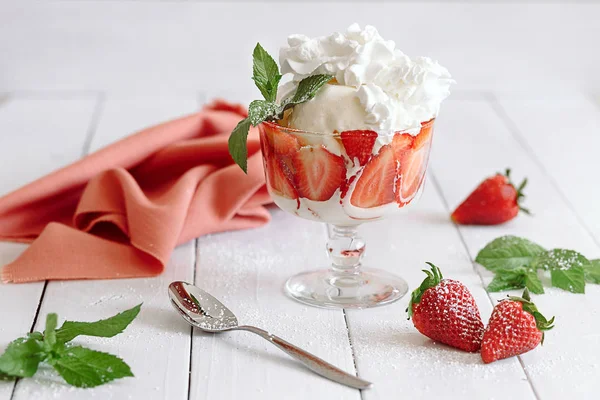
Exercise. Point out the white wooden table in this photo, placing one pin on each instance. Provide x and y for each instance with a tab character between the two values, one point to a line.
550	138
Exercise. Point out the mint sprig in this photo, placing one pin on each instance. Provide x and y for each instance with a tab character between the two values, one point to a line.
517	263
78	365
266	76
265	73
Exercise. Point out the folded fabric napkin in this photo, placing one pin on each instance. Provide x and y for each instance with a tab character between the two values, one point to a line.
120	212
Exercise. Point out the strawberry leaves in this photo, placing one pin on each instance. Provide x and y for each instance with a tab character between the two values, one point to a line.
434	277
266	76
517	263
79	366
542	323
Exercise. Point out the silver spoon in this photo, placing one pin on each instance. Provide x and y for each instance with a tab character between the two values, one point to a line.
203	311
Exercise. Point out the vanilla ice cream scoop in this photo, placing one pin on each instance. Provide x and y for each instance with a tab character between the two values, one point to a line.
377	86
334	108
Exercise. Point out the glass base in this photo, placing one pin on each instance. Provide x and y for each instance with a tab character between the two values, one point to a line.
330	289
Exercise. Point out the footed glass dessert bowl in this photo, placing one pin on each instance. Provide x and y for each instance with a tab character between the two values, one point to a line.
345	179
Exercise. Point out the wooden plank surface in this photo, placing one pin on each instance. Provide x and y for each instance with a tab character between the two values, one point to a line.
475	139
157	344
38	135
247	270
476	136
563	134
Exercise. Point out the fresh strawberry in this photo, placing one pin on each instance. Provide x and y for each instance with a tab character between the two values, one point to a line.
412	174
280	178
516	326
445	311
494	201
375	187
359	144
412	153
282	143
318	173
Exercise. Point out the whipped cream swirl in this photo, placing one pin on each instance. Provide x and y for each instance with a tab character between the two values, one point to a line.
396	92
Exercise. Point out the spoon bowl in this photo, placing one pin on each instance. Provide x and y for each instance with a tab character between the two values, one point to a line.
201	309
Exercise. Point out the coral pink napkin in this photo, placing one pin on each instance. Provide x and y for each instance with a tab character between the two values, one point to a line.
120	212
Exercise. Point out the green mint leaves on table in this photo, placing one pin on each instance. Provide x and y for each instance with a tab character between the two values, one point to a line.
266	77
79	366
516	262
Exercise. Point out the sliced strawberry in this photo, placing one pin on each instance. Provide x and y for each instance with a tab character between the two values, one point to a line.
412	173
280	178
424	136
318	173
375	186
359	144
281	142
402	143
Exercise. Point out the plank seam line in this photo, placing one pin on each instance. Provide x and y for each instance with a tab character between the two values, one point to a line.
328	233
514	130
35	318
474	265
201	100
360	391
91	131
195	261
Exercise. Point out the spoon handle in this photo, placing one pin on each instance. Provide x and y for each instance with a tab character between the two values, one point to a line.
312	362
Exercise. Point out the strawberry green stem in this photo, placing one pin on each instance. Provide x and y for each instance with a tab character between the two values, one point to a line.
434	277
542	323
519	189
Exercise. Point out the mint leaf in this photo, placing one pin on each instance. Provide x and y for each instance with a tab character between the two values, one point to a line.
592	271
517	278
22	357
307	89
508	279
50	332
261	110
237	144
104	328
559	259
508	252
4	377
265	73
566	268
36	336
572	280
86	368
533	282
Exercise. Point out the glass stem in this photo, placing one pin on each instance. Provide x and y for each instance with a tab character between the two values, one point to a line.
345	249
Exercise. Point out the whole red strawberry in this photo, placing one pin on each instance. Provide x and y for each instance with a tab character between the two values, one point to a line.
516	326
445	311
494	201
